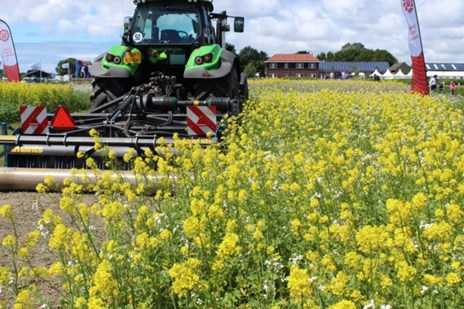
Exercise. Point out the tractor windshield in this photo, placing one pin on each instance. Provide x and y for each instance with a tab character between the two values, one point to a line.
165	24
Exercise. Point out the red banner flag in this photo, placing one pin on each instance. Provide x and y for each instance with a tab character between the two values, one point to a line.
419	74
8	53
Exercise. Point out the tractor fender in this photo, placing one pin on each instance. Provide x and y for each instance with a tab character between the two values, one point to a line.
227	60
97	71
102	69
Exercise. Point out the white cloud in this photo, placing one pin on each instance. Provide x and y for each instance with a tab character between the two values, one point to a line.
84	27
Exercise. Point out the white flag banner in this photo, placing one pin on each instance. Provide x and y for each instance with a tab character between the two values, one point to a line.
419	77
65	66
8	53
36	66
410	13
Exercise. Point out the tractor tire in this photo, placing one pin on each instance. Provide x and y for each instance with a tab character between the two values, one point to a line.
227	86
108	89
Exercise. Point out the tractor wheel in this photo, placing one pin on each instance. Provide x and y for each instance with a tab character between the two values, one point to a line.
108	89
227	86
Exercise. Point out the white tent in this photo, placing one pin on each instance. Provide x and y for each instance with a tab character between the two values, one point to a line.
388	75
376	72
401	75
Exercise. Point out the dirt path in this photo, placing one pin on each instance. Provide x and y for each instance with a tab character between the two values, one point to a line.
28	208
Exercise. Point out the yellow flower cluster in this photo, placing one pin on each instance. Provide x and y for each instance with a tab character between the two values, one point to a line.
322	194
185	276
299	284
229	246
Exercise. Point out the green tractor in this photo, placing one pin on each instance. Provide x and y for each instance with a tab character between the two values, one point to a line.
175	46
171	76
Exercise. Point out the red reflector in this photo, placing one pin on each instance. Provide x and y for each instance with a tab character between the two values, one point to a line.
198	60
62	120
208	58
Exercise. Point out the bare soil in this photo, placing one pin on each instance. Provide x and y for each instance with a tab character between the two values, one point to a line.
28	208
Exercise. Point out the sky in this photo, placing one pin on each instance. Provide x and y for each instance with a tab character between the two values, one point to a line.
48	31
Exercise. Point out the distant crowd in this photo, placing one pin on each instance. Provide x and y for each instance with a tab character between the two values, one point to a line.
436	86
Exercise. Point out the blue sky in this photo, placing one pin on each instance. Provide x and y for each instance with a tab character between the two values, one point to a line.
51	30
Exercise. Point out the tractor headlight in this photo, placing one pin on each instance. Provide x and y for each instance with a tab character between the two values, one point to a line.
203	59
109	57
114	59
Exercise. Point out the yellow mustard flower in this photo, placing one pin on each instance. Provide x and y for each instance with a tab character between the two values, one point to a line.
343	304
229	246
299	284
6	211
185	276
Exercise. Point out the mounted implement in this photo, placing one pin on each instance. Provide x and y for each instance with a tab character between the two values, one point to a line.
171	75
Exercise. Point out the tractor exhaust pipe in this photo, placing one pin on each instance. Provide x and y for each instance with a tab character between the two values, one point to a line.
27	179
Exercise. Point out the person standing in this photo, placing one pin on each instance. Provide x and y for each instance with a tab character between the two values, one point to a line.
452	87
433	83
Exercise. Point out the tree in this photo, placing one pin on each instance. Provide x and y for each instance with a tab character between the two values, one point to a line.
231	48
365	54
383	55
322	56
354	52
61	66
346	55
251	55
330	56
353	46
250	70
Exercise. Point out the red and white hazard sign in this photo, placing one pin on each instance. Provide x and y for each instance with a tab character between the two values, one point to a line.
34	120
201	120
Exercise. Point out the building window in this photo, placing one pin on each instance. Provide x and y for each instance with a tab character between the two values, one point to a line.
272	65
273	75
300	65
312	66
299	75
285	65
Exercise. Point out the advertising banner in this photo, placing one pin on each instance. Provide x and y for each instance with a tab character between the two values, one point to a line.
8	53
419	74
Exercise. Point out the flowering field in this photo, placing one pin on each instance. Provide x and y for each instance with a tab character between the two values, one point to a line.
324	195
12	95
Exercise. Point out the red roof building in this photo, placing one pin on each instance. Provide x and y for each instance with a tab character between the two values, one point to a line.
292	65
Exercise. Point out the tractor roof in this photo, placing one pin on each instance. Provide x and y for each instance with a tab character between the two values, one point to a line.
208	2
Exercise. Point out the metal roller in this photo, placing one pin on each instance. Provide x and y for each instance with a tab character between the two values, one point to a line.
27	179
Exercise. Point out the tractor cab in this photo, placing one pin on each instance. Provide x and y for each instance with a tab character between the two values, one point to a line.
158	23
